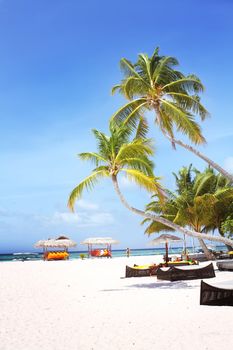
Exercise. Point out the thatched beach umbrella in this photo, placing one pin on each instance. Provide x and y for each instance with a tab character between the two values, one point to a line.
165	238
100	240
60	242
107	241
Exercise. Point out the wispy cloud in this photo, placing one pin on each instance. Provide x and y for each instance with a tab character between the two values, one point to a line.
81	219
83	204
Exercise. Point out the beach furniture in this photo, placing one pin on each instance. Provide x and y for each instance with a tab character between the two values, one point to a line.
61	242
151	270
141	271
225	265
211	295
100	241
174	273
166	239
101	253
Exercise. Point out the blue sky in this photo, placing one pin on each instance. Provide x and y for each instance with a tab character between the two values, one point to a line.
58	62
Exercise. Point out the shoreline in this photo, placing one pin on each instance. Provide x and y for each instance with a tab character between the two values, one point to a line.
88	304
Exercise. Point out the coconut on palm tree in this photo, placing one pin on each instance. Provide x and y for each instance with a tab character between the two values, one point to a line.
123	153
154	84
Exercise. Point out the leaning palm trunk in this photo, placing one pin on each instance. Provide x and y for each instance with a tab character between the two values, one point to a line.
206	159
208	254
194	151
167	222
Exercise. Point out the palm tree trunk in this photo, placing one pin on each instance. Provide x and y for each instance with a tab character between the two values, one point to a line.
206	159
193	150
208	254
167	222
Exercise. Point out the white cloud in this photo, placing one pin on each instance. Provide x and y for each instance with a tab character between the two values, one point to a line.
83	204
228	164
81	219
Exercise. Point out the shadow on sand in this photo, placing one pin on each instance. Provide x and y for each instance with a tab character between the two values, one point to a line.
156	285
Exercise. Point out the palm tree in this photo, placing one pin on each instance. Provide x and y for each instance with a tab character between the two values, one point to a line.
153	84
221	192
200	203
120	153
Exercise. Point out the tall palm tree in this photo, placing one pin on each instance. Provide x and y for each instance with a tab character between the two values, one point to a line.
153	84
200	202
120	153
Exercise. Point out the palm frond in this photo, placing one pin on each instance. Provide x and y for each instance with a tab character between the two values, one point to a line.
127	68
190	83
93	157
131	112
184	122
190	103
142	129
88	183
103	142
143	164
133	87
163	63
149	183
117	87
144	64
137	148
156	227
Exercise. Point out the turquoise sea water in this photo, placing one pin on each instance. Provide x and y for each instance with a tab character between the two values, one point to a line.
115	253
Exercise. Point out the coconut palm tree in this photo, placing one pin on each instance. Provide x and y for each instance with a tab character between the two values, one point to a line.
200	202
119	152
153	84
222	191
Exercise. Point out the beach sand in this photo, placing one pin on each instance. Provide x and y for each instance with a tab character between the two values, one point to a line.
88	304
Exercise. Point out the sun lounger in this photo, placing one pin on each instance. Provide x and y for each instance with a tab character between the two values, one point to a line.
151	270
211	295
225	265
176	274
141	271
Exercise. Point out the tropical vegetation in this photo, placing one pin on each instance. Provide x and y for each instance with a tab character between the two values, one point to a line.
154	84
201	201
126	151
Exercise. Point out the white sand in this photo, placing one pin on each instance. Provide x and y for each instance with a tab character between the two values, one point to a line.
88	305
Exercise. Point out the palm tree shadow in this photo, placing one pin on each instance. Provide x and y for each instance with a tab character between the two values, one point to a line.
163	285
156	285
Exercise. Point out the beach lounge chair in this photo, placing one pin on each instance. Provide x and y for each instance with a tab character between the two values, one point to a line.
141	271
151	270
225	265
177	274
211	295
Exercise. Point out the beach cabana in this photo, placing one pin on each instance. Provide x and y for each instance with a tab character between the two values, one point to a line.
62	243
165	238
100	241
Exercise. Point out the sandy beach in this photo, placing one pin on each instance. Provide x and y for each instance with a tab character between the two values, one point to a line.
88	304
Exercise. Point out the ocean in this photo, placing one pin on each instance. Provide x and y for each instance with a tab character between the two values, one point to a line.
26	256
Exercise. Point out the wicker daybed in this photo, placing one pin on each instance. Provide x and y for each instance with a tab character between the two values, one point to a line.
176	274
211	295
151	270
141	271
225	265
